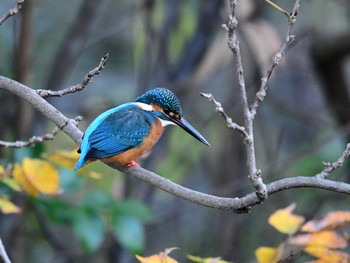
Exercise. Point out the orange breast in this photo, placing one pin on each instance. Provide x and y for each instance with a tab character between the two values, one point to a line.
126	157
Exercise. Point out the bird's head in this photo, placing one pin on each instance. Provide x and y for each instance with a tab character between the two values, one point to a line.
166	106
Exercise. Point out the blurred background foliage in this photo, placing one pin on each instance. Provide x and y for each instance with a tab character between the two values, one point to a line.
181	45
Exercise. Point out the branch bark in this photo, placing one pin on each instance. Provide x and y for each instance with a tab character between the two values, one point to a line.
12	11
79	87
233	44
242	204
32	141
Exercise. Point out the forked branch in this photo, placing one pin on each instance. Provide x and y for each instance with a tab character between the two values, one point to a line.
242	204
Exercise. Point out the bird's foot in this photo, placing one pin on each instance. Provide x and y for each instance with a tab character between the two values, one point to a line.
133	163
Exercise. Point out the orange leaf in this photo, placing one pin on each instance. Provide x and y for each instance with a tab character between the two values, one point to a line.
20	177
7	207
162	257
268	254
284	221
328	239
332	220
42	175
327	255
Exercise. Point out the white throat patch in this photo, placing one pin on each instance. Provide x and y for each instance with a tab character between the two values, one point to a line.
148	107
165	122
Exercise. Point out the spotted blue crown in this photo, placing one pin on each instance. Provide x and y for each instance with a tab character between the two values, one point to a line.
163	98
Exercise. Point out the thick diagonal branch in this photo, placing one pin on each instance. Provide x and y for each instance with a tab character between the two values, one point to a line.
242	204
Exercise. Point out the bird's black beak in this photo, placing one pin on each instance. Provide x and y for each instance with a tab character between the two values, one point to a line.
188	128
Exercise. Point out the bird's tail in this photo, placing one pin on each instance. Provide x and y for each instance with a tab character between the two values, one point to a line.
80	162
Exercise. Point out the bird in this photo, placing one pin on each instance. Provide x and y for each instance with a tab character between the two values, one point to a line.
126	132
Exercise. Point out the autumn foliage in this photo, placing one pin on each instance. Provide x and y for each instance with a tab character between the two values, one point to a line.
317	237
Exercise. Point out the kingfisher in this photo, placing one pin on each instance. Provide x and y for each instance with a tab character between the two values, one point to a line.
124	133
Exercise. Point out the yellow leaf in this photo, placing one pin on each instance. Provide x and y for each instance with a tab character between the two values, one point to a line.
19	176
13	184
268	254
284	221
42	175
332	220
7	207
162	257
156	259
206	260
2	169
328	255
69	159
66	159
327	239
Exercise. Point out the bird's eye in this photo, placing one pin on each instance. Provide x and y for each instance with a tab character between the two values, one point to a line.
166	110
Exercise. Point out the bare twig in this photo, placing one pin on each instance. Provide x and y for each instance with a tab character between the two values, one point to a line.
3	253
330	167
232	204
278	8
32	141
12	11
233	44
78	87
260	95
231	124
36	139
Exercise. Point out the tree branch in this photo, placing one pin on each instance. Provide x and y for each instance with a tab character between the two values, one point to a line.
29	95
79	87
231	124
260	95
12	11
242	204
330	167
31	141
233	44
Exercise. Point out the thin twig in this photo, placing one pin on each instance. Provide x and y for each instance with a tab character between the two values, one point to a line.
233	44
278	8
12	11
79	87
3	253
330	167
32	141
231	124
260	95
36	139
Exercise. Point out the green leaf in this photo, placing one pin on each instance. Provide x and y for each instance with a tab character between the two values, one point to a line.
90	229
134	209
56	210
98	200
129	232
